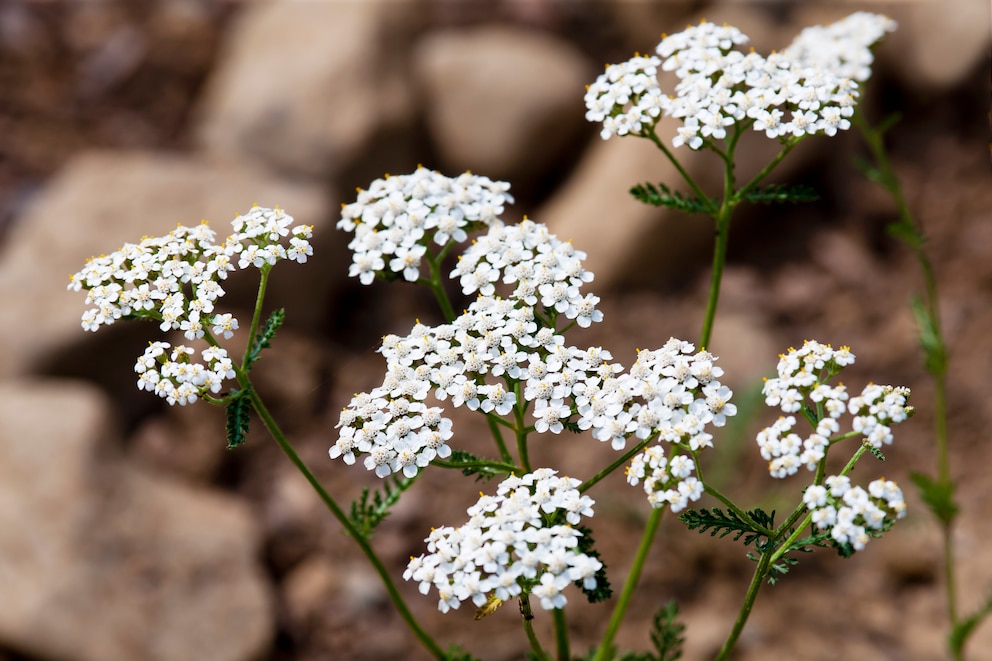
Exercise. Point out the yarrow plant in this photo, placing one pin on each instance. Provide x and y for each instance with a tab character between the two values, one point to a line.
175	280
510	356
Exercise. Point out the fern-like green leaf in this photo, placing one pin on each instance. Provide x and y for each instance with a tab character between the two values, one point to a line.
571	426
586	545
667	637
264	339
662	196
372	507
667	634
876	452
238	418
930	340
964	628
938	496
718	523
456	653
781	193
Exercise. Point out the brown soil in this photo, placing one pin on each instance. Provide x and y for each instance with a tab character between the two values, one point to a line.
828	272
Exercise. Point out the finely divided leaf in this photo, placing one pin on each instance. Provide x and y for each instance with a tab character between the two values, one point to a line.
263	340
938	496
586	545
964	628
719	523
372	507
238	419
662	196
780	193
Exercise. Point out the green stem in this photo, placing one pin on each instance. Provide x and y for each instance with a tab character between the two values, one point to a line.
561	634
913	235
606	645
436	286
528	617
494	421
703	199
789	146
760	571
719	258
256	316
615	465
521	430
713	491
487	467
339	514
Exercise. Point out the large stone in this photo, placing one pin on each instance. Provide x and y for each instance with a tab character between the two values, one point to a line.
101	200
305	87
100	561
501	101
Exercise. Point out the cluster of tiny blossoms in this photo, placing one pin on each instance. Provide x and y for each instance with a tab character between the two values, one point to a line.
680	397
802	386
809	88
851	513
501	339
396	218
176	281
843	47
508	547
502	353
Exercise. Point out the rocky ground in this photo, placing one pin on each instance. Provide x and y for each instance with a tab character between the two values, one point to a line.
127	531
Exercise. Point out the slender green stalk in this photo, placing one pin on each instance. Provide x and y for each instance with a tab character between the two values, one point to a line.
789	146
757	580
256	316
606	644
585	486
561	634
521	430
436	286
716	493
339	514
493	421
682	171
489	467
527	615
719	258
912	234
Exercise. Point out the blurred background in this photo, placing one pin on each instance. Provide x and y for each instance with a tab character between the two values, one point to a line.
128	531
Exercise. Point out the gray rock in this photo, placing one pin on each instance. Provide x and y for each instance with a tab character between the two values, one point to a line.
501	101
101	200
101	561
304	87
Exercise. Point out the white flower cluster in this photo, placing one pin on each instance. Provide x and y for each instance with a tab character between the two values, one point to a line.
850	512
680	396
542	267
502	353
626	97
802	384
174	377
808	89
507	547
495	337
176	280
666	482
844	47
395	219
